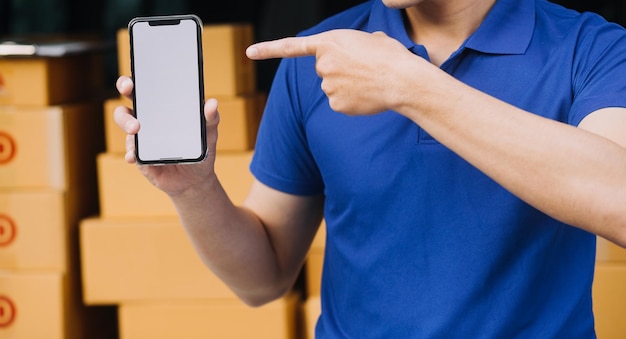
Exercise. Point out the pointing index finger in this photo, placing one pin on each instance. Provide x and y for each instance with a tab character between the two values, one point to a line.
283	48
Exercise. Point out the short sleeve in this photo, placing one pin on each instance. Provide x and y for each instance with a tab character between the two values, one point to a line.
282	158
600	71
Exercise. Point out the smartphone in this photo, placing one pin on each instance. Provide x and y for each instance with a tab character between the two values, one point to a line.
168	99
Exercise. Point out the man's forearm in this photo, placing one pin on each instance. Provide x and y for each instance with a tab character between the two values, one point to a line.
571	174
231	241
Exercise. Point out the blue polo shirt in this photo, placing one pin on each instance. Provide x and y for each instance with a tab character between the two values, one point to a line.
420	244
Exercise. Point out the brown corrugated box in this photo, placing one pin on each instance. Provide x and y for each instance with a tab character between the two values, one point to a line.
142	259
227	70
209	319
48	305
38	81
124	192
609	252
312	311
239	122
315	262
609	300
37	228
50	147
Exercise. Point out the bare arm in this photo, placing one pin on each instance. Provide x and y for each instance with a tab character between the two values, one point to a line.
257	249
576	175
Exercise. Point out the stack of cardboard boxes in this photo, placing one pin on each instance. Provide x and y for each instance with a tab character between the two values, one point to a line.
137	256
50	133
609	290
313	272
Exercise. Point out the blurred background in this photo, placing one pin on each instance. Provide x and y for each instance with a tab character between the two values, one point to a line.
270	18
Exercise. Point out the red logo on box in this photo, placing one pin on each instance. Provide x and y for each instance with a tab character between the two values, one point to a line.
7	311
7	148
7	230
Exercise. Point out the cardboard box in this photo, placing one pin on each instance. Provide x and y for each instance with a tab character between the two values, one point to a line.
115	138
239	123
126	260
208	319
227	70
42	305
125	192
319	242
609	300
50	147
38	228
37	299
32	305
312	311
50	81
609	252
315	263
314	266
123	52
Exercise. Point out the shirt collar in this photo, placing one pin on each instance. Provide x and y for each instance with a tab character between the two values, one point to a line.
507	28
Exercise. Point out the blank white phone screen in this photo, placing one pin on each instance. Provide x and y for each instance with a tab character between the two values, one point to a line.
168	102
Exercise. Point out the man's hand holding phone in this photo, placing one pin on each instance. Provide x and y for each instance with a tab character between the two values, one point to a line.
172	179
166	59
170	123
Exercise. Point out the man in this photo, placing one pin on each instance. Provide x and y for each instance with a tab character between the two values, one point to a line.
463	160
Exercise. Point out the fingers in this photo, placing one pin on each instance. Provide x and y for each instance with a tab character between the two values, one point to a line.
125	86
124	119
129	157
284	48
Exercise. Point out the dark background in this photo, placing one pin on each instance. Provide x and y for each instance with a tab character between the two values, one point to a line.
271	18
